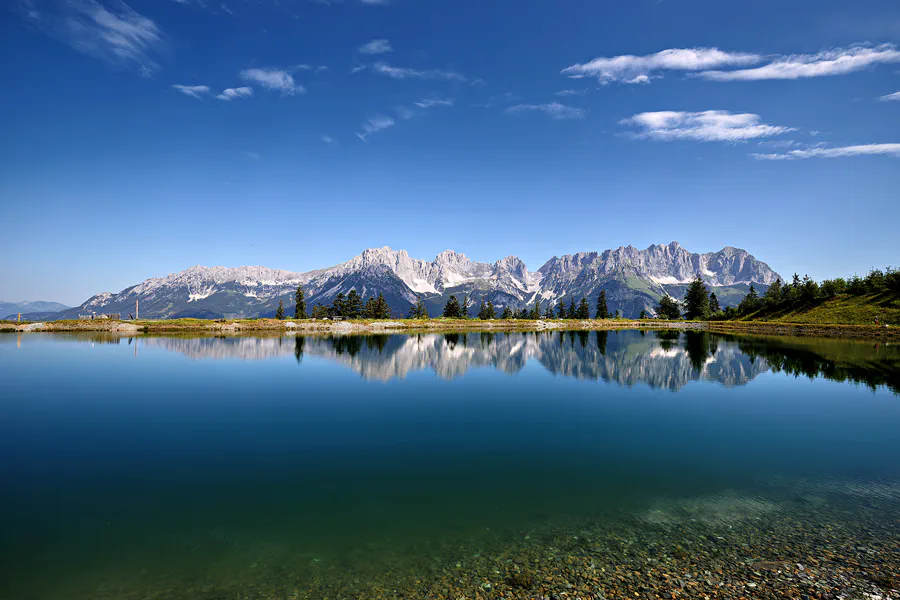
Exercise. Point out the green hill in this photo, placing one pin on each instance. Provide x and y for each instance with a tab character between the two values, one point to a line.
844	309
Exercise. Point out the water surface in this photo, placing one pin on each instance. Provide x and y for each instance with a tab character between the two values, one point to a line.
381	466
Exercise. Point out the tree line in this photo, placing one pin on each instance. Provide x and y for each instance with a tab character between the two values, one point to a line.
454	309
349	306
800	294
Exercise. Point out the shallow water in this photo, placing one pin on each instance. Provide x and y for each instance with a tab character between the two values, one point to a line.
379	466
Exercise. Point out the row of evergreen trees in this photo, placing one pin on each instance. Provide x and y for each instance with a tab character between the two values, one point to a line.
349	306
800	294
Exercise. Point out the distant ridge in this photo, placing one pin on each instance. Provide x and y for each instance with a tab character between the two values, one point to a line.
634	280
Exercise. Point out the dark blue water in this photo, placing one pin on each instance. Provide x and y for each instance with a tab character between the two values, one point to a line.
196	467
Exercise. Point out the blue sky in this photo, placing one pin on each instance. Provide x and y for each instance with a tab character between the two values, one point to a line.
143	138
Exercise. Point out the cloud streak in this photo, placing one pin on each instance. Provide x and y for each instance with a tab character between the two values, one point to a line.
376	47
838	61
374	125
432	102
895	97
839	152
273	79
194	91
234	93
120	35
706	126
554	110
404	73
638	69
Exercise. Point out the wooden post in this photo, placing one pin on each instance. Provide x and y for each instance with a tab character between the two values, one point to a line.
19	318
136	316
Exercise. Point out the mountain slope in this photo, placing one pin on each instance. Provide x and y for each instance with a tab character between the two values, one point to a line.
10	310
634	280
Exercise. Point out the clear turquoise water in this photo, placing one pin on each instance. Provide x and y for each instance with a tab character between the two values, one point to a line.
137	468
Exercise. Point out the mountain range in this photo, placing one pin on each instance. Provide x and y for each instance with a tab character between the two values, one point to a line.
34	310
634	280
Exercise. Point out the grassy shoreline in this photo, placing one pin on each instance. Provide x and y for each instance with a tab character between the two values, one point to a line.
236	326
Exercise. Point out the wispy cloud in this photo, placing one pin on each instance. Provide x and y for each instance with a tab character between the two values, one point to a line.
374	125
838	152
838	61
891	97
119	35
232	93
376	47
570	93
375	2
554	110
404	73
273	79
329	140
637	69
432	102
706	126
252	155
194	91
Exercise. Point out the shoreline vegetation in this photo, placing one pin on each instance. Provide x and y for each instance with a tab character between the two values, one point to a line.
363	326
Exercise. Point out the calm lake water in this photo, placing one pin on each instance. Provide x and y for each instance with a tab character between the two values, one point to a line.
440	465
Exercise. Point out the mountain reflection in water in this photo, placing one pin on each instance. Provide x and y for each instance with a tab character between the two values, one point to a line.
660	359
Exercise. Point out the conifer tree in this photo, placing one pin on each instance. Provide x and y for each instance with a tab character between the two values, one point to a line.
548	313
482	310
354	305
506	314
696	300
643	314
464	307
714	307
536	311
584	310
668	308
772	296
750	303
491	312
369	309
300	308
279	312
571	312
561	309
418	310
319	311
338	305
618	314
452	309
602	306
382	309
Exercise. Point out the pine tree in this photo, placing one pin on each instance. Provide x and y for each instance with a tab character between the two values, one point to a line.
618	314
369	309
561	309
714	307
602	306
584	310
319	311
506	314
643	314
536	311
571	312
382	310
418	310
696	300
452	309
279	313
772	296
548	314
338	305
482	311
491	312
354	305
750	303
464	307
300	308
668	308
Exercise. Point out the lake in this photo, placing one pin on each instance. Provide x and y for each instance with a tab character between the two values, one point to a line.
472	465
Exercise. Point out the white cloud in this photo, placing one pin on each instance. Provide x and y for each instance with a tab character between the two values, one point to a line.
570	93
840	152
329	140
404	113
358	69
194	91
432	102
376	47
839	61
252	155
119	35
273	79
374	125
232	93
555	110
404	73
890	97
706	126
375	2
637	69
